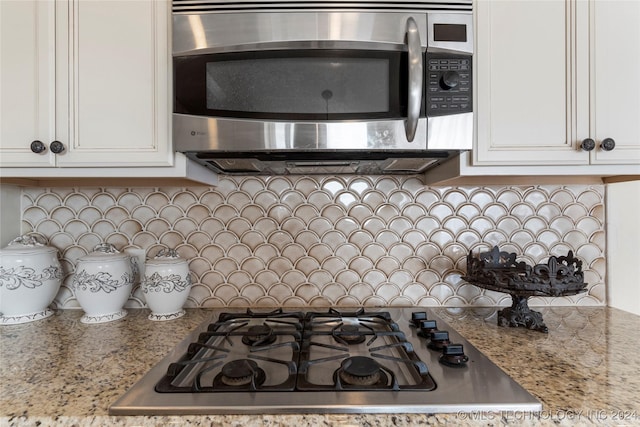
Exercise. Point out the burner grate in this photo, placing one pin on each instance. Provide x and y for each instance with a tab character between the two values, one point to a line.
285	351
400	368
267	344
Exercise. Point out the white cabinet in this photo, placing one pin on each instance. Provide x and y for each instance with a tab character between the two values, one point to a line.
27	86
615	67
551	74
117	61
93	75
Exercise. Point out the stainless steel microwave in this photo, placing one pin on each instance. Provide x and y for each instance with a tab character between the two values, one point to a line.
322	87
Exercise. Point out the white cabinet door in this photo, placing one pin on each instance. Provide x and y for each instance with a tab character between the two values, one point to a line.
528	78
93	75
616	87
27	88
552	74
114	65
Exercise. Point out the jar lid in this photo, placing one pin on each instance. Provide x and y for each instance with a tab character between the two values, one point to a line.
166	256
27	244
104	252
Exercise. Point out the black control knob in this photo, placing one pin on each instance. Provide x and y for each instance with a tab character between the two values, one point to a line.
56	147
588	144
453	355
417	317
608	144
438	340
449	80
38	147
426	327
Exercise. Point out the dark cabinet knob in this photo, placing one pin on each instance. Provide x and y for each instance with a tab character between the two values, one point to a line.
608	144
588	144
38	147
56	147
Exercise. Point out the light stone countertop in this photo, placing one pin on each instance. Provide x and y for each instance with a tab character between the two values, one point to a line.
58	371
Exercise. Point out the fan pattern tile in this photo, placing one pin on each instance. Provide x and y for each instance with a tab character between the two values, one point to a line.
328	241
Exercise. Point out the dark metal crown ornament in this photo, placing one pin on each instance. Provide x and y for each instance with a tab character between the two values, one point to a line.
499	271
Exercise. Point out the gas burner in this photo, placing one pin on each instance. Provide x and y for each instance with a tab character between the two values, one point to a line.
259	335
240	372
348	334
361	371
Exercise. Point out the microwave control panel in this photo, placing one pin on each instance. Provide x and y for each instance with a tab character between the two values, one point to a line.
448	88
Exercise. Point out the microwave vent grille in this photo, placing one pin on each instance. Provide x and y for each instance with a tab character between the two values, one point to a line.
200	6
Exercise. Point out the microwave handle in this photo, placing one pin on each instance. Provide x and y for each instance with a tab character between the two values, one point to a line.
415	79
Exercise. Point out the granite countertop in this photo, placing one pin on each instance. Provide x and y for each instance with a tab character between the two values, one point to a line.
59	371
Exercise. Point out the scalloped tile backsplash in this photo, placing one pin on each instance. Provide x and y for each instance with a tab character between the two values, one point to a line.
328	241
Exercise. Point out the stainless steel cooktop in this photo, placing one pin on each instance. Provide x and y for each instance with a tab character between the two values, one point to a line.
324	361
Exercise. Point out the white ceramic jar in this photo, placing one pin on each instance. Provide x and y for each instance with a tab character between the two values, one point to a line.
166	284
30	277
102	284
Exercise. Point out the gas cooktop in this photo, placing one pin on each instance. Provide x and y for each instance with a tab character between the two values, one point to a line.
331	361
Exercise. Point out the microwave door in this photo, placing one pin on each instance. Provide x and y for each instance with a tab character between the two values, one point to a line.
300	99
315	81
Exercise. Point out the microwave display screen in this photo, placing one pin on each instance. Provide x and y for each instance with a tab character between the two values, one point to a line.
302	85
449	33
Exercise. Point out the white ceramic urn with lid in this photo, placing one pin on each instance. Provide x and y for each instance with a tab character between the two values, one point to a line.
166	284
30	277
102	284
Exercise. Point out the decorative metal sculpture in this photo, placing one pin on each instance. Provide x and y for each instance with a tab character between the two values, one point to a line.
499	271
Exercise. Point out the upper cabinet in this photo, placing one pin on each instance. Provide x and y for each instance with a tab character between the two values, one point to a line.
615	86
554	82
556	89
528	80
85	94
27	86
85	84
